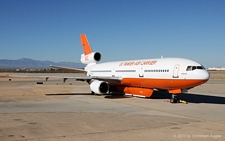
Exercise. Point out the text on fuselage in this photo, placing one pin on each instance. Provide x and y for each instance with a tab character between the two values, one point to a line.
138	63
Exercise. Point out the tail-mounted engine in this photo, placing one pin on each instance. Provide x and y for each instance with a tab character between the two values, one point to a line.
90	58
99	87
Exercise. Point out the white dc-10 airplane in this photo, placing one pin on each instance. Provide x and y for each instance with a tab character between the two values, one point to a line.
139	77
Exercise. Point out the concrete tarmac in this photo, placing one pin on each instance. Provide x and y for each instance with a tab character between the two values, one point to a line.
56	111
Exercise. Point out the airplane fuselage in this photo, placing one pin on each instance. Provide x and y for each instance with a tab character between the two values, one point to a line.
161	73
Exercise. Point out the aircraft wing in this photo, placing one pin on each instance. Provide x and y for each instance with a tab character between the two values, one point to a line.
84	78
110	80
77	78
67	68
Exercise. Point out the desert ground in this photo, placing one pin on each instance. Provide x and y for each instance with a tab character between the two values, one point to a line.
55	111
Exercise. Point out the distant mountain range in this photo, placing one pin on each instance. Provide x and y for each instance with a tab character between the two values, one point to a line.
34	64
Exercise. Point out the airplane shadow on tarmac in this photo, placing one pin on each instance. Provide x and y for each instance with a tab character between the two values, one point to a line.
60	94
189	97
109	96
117	96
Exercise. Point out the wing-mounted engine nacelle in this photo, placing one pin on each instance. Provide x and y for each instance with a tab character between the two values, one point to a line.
99	87
90	58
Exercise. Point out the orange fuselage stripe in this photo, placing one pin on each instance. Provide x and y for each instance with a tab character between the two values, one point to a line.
166	84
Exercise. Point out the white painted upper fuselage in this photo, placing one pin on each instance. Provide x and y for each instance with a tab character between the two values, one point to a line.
160	68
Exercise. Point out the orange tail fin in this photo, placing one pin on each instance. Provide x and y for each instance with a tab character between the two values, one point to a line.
85	44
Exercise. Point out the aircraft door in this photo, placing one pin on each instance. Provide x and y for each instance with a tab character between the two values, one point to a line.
141	73
113	72
176	70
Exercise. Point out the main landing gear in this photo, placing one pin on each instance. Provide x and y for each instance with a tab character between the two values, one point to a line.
174	99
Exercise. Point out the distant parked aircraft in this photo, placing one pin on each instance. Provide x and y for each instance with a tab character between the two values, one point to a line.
216	69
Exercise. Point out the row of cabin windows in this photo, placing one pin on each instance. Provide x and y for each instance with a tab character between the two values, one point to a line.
164	70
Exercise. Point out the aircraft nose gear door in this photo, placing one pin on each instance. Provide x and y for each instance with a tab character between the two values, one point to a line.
175	71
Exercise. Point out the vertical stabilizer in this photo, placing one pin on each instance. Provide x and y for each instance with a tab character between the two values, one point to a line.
85	44
88	57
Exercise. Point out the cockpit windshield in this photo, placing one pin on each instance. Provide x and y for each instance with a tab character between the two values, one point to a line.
191	68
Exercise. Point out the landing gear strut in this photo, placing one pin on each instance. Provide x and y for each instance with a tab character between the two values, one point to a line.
174	99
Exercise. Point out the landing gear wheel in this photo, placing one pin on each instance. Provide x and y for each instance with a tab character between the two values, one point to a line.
92	93
174	99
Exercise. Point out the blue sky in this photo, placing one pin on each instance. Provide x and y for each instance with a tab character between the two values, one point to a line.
118	29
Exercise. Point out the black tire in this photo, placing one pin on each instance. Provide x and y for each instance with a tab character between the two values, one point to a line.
175	100
172	100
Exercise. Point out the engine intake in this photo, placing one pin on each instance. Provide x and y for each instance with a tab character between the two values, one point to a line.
90	58
99	87
97	56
